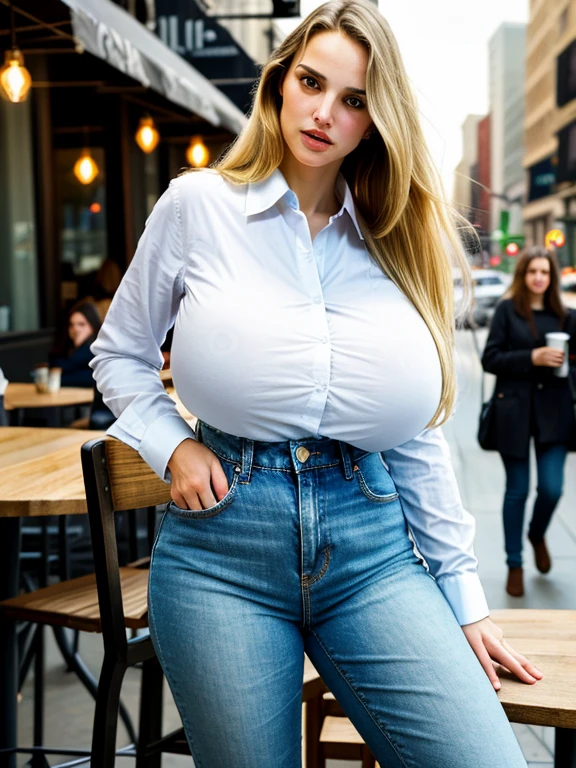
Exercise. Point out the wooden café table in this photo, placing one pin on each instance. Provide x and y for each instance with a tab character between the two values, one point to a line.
19	396
40	474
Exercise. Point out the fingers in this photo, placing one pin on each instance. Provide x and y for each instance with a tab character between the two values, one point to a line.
516	663
200	490
484	659
524	662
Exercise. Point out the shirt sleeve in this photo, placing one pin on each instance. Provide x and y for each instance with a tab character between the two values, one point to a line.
442	529
127	358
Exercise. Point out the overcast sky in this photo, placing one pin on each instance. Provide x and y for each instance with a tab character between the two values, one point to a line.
444	44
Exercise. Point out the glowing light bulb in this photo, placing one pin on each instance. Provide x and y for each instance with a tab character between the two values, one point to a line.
197	153
15	80
85	169
147	137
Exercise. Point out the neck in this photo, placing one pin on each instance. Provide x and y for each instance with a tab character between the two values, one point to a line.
314	187
536	300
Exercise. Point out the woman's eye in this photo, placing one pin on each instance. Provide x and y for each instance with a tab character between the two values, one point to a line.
308	81
358	105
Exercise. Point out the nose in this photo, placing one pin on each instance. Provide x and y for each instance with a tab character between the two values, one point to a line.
323	112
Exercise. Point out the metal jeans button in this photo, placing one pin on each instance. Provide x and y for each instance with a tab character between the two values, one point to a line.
302	453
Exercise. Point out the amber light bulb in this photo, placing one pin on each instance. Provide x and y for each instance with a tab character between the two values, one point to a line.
85	169
15	80
197	153
147	136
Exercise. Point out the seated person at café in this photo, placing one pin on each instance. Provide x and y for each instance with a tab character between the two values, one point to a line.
73	353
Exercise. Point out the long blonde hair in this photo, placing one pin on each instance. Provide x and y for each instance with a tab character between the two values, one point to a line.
409	228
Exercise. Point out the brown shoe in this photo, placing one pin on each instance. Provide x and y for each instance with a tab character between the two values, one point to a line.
541	555
515	583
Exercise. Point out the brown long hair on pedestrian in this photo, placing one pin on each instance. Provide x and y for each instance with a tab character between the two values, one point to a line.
520	294
410	229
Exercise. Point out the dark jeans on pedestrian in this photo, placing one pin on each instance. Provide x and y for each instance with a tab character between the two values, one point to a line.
550	460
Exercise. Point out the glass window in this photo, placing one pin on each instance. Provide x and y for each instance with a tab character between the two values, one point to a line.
81	223
19	305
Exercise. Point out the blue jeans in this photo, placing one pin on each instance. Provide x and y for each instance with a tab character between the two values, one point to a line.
550	461
309	552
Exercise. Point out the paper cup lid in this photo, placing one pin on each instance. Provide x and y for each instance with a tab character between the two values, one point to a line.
559	335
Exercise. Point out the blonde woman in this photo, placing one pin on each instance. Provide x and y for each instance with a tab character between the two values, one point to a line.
315	508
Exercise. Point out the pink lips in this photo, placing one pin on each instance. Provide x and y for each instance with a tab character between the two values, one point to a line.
315	143
318	135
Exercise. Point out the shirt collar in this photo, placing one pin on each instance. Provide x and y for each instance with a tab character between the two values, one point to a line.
262	195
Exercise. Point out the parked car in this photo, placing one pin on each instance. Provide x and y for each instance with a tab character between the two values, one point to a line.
488	285
568	288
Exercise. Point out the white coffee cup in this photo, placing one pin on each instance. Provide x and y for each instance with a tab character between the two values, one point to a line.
559	340
41	378
54	379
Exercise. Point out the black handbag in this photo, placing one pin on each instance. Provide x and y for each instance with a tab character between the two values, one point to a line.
487	422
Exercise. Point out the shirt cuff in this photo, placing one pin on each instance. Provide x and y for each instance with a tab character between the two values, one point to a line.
465	594
159	442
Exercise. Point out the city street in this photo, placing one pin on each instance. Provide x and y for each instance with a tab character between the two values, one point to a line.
481	479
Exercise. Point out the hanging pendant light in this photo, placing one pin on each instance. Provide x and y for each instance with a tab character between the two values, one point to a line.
15	80
197	153
147	136
85	169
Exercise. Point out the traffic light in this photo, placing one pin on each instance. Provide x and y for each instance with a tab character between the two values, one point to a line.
285	9
512	249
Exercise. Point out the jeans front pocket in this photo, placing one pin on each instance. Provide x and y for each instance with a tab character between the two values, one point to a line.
232	471
374	479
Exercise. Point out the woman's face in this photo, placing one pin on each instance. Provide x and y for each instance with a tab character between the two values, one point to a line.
324	92
538	276
79	329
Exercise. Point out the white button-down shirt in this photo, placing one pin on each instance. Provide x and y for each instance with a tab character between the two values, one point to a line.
278	337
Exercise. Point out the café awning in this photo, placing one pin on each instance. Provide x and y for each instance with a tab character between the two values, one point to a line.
109	32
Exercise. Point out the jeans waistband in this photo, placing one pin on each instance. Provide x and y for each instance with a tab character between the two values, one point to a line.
289	455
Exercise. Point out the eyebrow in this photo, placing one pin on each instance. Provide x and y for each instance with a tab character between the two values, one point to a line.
323	78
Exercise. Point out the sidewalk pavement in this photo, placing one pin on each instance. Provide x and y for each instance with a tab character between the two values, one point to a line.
69	708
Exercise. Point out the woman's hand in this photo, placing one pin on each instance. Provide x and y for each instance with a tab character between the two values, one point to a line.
547	356
198	480
487	641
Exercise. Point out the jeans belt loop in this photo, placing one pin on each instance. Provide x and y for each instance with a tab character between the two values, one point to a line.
346	460
247	458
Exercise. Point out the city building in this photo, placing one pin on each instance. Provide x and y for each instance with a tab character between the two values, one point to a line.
507	52
464	175
550	138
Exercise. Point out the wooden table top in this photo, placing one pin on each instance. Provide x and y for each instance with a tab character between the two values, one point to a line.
22	395
548	639
41	472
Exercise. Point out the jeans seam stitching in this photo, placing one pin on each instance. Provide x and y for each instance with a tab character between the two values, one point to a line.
321	573
158	648
360	699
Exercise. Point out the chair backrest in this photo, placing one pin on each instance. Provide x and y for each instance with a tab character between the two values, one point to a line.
3	415
116	478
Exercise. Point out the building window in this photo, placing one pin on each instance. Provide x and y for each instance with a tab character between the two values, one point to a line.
566	80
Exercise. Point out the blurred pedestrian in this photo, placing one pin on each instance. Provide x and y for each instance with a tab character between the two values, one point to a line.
309	279
531	402
72	353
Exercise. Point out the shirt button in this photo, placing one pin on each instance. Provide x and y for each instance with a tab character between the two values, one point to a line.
540	386
319	251
324	339
317	300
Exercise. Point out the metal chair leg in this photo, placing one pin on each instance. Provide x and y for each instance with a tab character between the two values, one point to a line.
106	715
77	665
151	706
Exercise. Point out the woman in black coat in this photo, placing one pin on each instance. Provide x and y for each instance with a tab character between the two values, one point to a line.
531	401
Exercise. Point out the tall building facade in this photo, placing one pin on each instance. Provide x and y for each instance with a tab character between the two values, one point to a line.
550	139
507	53
465	173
